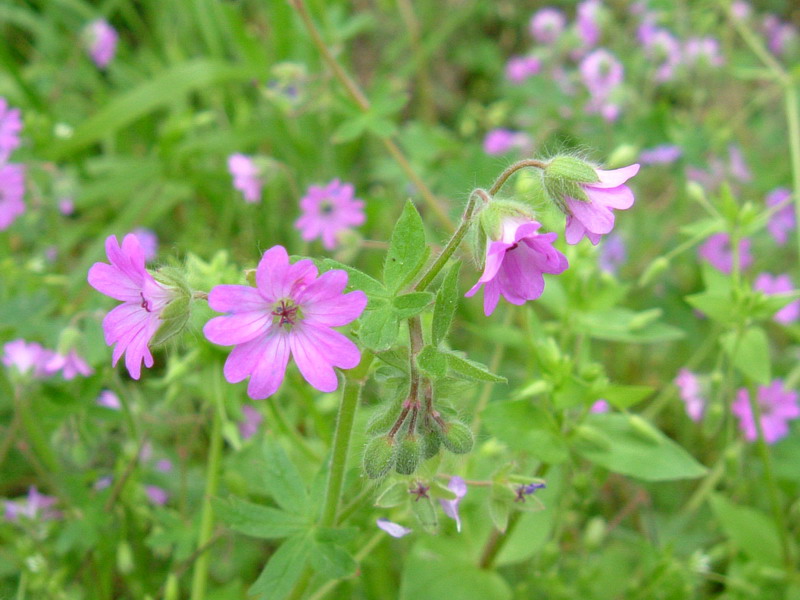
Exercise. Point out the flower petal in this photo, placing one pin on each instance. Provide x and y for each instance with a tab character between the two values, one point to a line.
615	177
236	299
237	328
317	350
337	311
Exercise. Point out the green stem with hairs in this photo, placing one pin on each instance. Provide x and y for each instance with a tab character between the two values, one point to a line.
504	176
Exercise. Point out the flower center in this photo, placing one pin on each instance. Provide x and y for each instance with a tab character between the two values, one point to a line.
286	312
326	207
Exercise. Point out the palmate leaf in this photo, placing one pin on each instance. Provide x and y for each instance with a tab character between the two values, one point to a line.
258	521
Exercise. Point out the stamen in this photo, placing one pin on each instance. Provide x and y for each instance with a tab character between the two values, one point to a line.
287	313
145	305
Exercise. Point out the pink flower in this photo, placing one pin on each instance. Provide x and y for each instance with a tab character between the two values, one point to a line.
777	284
783	220
156	495
612	254
703	51
101	40
741	10
71	365
132	324
717	251
599	407
10	128
246	177
328	212
547	25
586	22
500	141
290	311
515	263
601	73
248	426
661	46
27	358
778	407
148	240
595	217
519	68
450	507
779	34
658	155
35	506
691	393
108	399
393	529
12	191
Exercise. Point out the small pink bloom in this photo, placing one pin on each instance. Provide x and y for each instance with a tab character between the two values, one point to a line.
779	34
520	68
737	165
547	25
328	212
248	426
595	217
66	206
703	51
27	358
393	529
247	177
450	507
132	324
156	495
660	155
612	253
10	128
741	10
783	220
717	251
291	311
690	392
778	407
663	48
71	365
35	506
586	22
778	284
500	141
101	40
164	465
12	191
108	399
515	263
148	240
601	73
599	407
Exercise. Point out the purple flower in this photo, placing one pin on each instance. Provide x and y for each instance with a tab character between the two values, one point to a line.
12	191
737	166
664	154
599	407
601	73
27	357
594	217
156	495
741	10
291	311
782	220
164	465
703	51
778	407
519	68
586	22
246	176
148	241
103	483
612	254
500	141
779	34
717	251
10	128
328	212
691	393
71	365
393	529
547	25
664	48
108	399
248	426
450	507
66	206
132	324
777	284
101	39
515	262
35	506
529	489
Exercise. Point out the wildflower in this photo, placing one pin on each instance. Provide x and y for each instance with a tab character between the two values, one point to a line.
66	206
108	399
133	324
779	35
103	483
70	364
35	506
547	25
519	68
101	39
741	10
246	176
717	251
664	154
10	128
450	507
778	407
663	48
164	465
12	190
500	141
592	217
328	212
515	262
737	166
148	241
691	393
27	357
777	284
156	495
601	73
586	22
393	529
527	490
290	311
612	254
782	221
600	407
703	51
248	426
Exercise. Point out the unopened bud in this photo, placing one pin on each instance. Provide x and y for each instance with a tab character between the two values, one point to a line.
382	421
379	457
409	455
563	178
457	437
431	442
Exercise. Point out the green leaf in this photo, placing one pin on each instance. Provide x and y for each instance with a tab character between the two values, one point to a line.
407	250
751	530
750	355
411	304
257	521
357	280
625	396
471	368
379	328
282	480
446	304
631	448
332	561
283	569
350	129
625	325
524	426
719	306
433	362
430	574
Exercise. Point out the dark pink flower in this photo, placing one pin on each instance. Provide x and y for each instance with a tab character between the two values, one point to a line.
450	507
70	364
101	40
690	392
717	251
778	407
594	217
132	324
599	407
35	506
586	22
500	141
328	212
515	263
247	177
291	311
778	284
783	220
12	192
10	128
148	240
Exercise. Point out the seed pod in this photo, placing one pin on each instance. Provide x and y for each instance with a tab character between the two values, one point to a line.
409	455
382	421
457	437
379	457
431	442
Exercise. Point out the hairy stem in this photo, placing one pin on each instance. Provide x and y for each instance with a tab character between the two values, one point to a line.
501	180
793	121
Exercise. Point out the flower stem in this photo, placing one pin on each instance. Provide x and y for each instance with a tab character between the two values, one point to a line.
200	573
793	121
364	105
501	180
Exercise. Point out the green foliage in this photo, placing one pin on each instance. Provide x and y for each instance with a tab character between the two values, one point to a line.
407	250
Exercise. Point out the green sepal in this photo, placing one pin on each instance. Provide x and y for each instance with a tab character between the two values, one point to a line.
425	512
395	494
569	168
173	319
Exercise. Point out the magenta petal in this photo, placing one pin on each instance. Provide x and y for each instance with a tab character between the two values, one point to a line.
329	285
270	367
109	280
271	274
574	230
237	328
620	197
615	177
236	298
596	219
336	311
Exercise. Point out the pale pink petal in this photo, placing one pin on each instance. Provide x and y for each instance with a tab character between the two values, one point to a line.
596	219
317	350
270	367
271	274
615	177
237	328
337	311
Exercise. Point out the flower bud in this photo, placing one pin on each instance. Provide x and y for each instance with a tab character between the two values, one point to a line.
457	437
409	455
563	177
491	217
382	421
379	457
431	443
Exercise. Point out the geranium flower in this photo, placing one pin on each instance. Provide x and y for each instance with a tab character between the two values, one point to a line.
783	220
70	364
450	507
246	177
101	40
717	251
291	311
328	211
515	263
35	506
777	284
690	392
594	217
519	68
132	324
12	191
27	357
547	25
778	407
500	141
10	128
